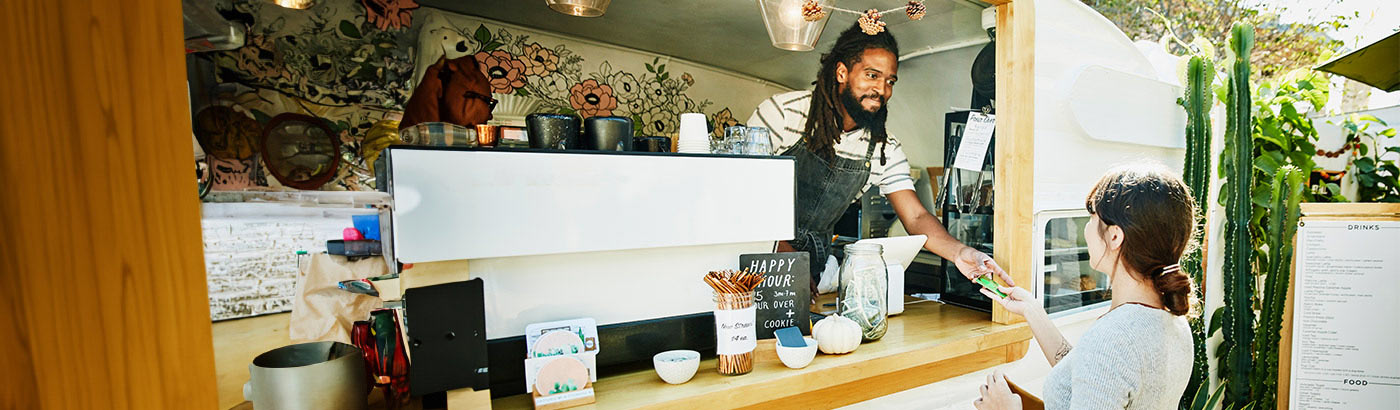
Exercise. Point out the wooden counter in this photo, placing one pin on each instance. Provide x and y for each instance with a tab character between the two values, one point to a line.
927	343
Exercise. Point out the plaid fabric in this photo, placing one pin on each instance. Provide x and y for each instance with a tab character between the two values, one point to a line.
440	134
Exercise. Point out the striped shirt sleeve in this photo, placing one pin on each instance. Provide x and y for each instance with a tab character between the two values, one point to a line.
784	115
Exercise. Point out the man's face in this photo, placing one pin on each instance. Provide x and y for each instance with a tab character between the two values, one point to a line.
869	83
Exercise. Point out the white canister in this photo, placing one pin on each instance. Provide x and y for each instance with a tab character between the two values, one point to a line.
895	301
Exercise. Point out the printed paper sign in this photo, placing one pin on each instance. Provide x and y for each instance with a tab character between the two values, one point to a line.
975	140
1344	334
734	331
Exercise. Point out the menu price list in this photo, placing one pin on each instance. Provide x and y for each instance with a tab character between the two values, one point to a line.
1346	316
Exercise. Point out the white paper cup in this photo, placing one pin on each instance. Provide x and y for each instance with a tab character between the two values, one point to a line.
694	133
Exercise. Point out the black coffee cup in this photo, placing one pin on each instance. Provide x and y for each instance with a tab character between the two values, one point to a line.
607	133
651	144
552	131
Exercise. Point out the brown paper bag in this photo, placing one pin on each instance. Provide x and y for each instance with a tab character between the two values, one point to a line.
321	310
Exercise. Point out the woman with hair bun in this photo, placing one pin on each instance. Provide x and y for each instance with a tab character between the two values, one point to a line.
1139	354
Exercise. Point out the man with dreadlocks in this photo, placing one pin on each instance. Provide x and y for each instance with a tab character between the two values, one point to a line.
834	132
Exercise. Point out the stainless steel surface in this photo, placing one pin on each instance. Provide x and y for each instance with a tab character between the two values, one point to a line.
311	376
607	133
876	214
651	144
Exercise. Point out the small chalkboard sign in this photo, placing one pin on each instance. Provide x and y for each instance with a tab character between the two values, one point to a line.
782	298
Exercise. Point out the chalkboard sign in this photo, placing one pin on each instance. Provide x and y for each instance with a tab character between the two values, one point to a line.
782	299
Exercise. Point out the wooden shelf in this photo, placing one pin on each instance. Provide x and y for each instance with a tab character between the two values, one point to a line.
927	343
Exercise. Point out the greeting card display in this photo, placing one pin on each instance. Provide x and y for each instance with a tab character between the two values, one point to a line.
561	365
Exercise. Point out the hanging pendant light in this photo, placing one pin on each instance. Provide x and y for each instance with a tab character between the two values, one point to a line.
294	4
787	28
581	8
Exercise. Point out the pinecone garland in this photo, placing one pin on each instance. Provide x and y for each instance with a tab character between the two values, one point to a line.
811	11
870	22
916	10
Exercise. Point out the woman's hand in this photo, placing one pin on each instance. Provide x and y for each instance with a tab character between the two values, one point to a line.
973	263
1017	300
997	395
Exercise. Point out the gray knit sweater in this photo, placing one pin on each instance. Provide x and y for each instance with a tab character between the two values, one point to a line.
1134	357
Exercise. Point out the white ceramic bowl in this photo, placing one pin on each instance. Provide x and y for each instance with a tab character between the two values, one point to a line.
797	357
676	366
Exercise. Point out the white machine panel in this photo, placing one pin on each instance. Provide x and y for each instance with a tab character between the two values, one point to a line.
452	204
611	287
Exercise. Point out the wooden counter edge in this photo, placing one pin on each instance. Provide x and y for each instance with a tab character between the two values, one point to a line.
839	385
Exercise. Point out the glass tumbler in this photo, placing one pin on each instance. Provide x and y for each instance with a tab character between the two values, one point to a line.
734	138
759	142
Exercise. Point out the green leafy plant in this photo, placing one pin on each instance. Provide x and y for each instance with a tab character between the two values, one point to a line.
1378	179
1237	164
1283	134
1204	400
1197	100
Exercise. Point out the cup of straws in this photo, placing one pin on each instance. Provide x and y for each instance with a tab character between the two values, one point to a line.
735	330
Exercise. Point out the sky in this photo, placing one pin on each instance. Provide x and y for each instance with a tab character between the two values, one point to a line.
1377	18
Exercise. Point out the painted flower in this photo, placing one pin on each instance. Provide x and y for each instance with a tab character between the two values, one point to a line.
634	107
539	60
685	104
723	119
658	121
389	14
625	85
656	94
554	86
689	81
503	70
592	99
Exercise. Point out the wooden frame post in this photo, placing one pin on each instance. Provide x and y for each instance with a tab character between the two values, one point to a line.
104	289
1013	212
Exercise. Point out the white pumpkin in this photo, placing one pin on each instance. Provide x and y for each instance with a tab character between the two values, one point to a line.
836	334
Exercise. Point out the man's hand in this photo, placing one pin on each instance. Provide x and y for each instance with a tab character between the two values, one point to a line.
973	263
997	395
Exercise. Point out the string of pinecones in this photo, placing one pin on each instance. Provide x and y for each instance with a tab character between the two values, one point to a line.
869	20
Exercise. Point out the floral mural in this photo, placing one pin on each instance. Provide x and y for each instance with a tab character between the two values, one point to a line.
515	64
351	62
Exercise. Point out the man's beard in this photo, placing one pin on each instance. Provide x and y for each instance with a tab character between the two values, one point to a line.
864	119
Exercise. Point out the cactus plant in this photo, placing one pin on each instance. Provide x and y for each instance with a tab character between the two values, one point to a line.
1286	192
1238	324
1197	99
1239	279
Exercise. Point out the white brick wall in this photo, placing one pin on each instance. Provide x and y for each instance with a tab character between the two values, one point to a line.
250	250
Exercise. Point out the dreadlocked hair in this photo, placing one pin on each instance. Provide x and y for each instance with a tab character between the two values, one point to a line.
823	130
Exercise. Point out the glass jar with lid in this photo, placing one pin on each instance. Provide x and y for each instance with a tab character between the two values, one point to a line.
863	293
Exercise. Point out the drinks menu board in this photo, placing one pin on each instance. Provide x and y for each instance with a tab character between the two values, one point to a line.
1346	315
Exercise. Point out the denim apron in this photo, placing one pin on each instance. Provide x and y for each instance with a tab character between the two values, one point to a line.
824	191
